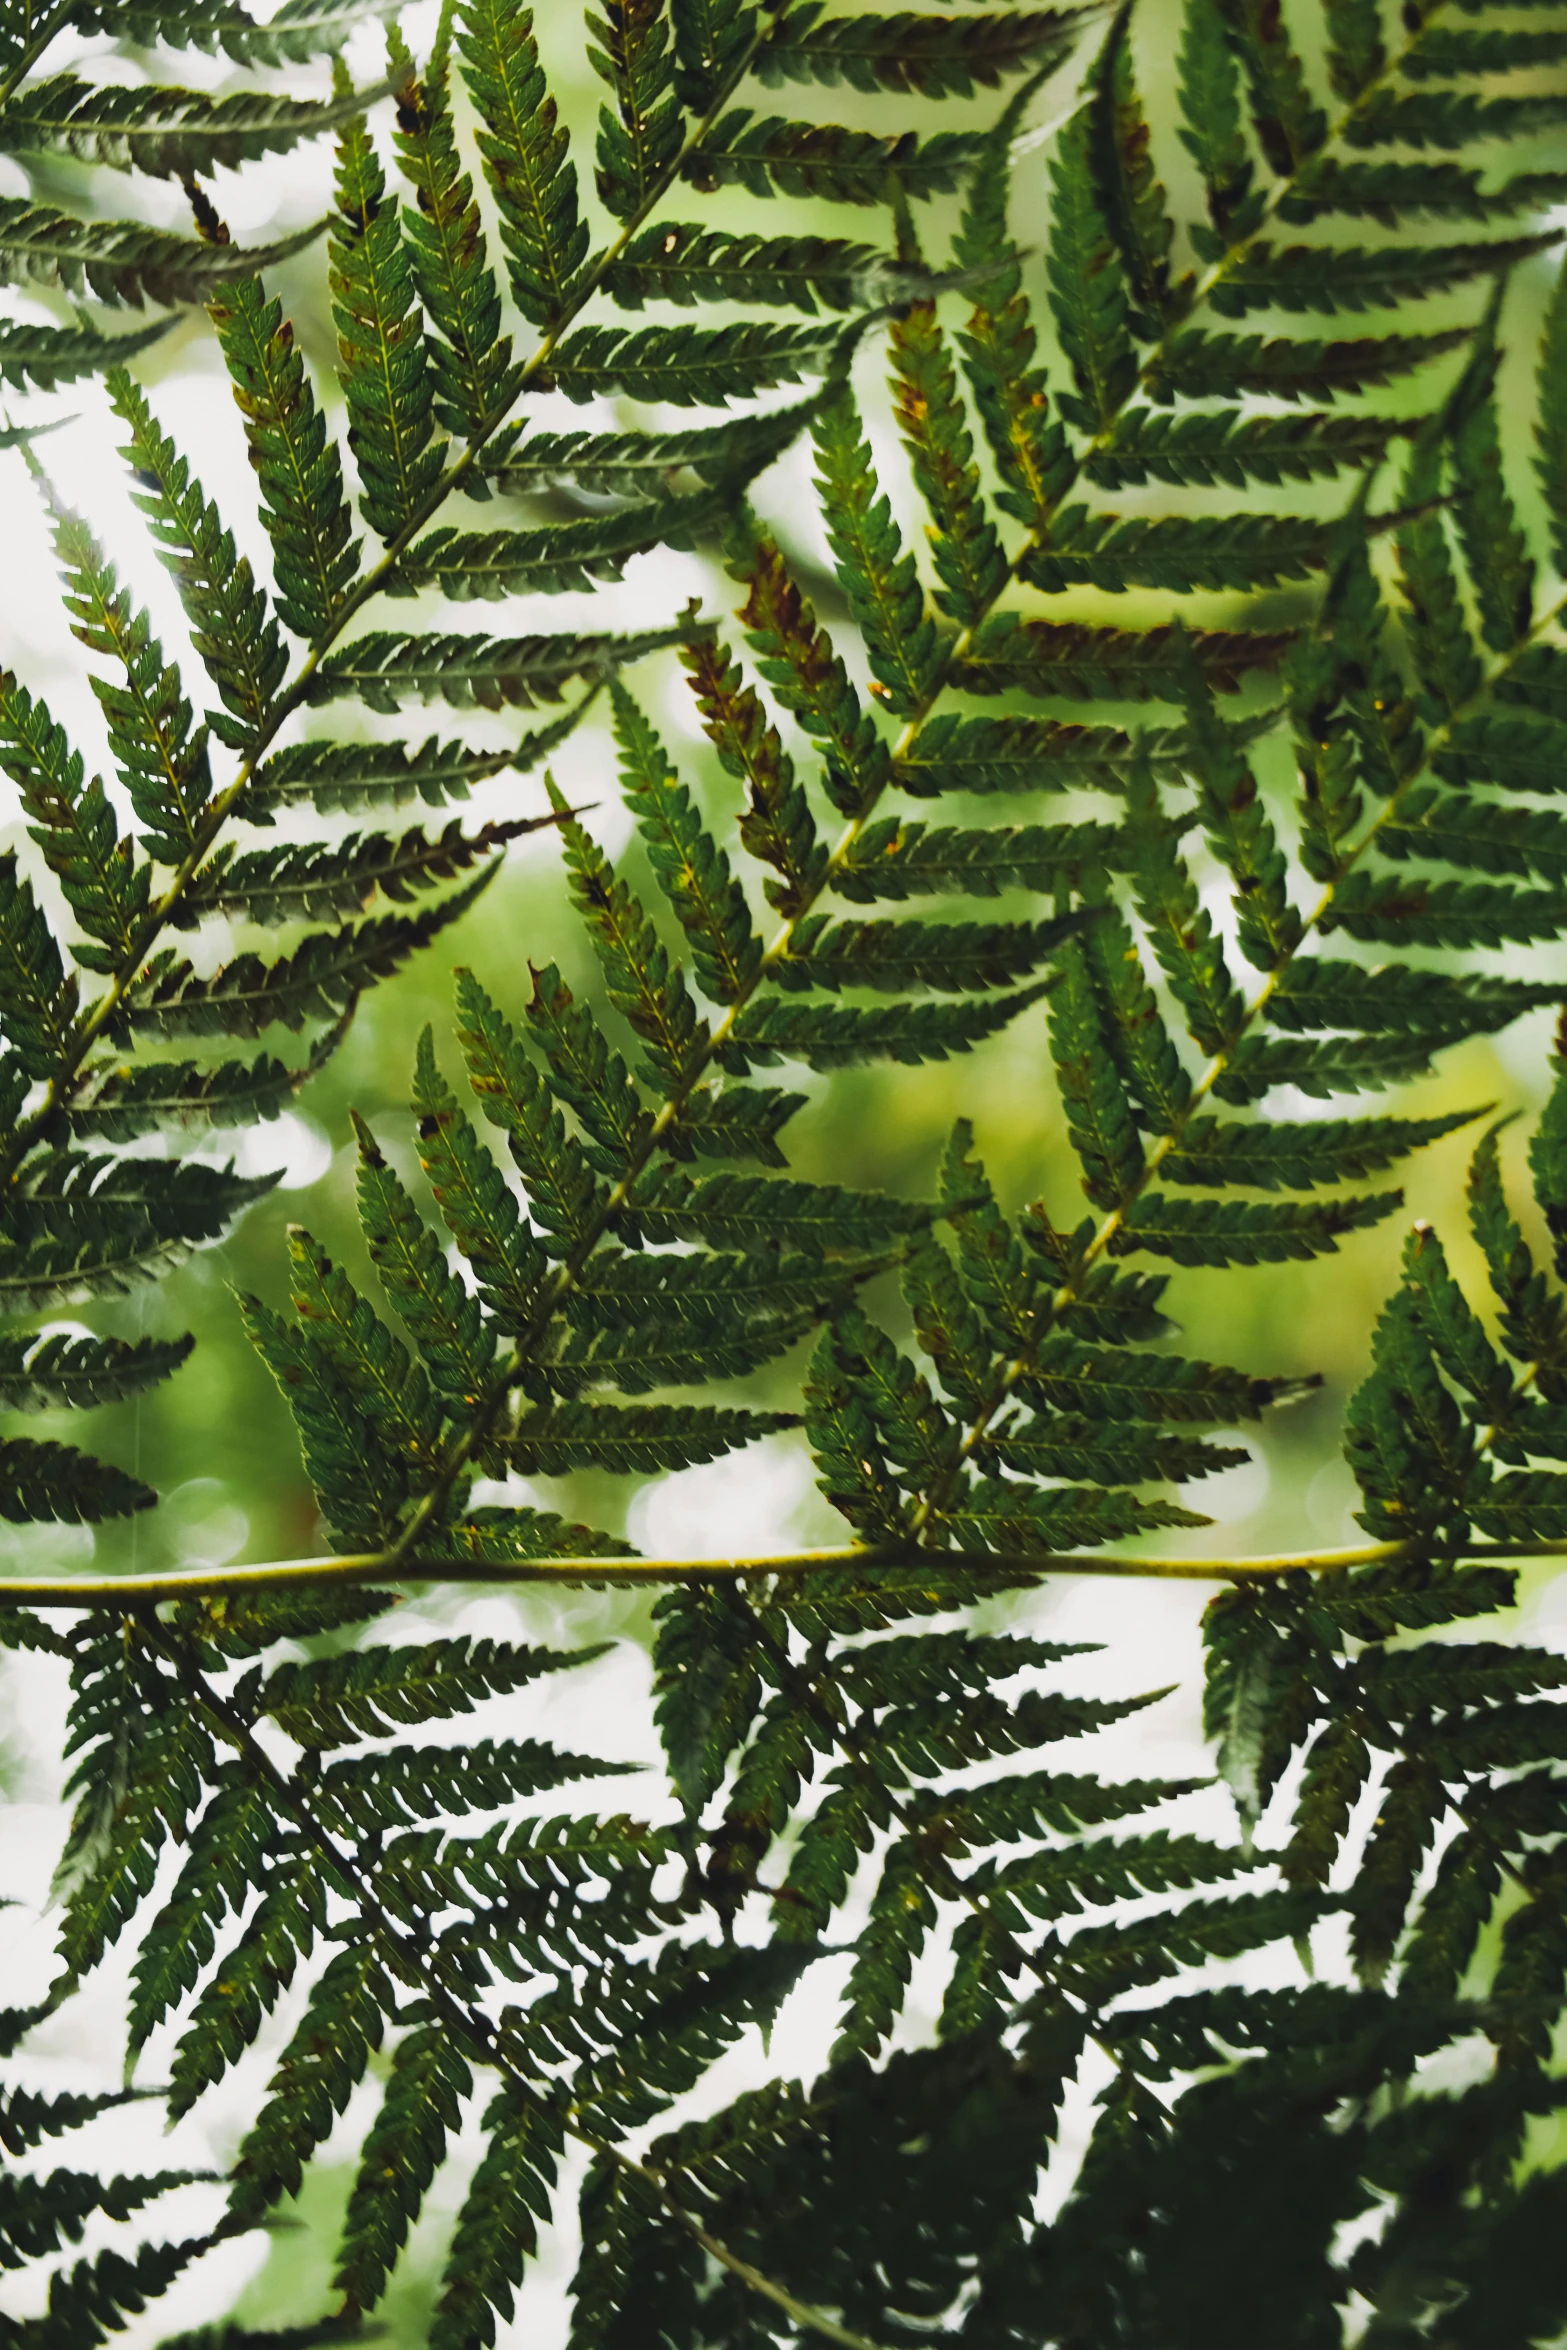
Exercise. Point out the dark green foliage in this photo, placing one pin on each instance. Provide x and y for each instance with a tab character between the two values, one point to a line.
382	363
526	163
120	264
298	467
1316	740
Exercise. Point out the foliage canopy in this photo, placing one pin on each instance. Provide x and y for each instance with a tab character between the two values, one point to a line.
1268	797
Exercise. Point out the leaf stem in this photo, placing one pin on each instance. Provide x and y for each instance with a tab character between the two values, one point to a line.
396	1570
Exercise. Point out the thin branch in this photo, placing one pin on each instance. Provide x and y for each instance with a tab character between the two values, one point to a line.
377	1567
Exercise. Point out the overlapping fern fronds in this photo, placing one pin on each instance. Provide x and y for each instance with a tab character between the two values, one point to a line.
52	114
1310	752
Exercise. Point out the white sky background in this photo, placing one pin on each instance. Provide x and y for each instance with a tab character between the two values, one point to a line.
1151	1629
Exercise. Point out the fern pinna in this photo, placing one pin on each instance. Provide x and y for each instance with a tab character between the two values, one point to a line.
1355	723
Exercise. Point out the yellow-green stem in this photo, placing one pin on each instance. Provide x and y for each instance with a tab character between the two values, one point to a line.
393	1569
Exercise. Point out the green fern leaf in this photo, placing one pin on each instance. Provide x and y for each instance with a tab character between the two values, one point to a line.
931	57
356	775
1551	430
639	143
1359	277
645	987
447	1324
687	262
1225	1232
796	658
1208	87
82	1227
1299	1157
1130	195
1386	192
1087	292
1532	1324
56	1481
310	884
1200	449
382	359
118	1103
230	624
498	2225
468	357
162	761
688	367
314	552
1289	124
632	1440
895	957
1070	659
641	465
38	999
475	1202
1237	552
298	30
1446	658
497	563
1444	913
999	343
968	555
524	149
56	1372
403	2149
168	134
1450	829
776	825
692	871
318	981
488	673
768	155
836	1036
1495	549
752	1213
587	1076
366	1692
1209	366
320	2069
121	262
1122	1384
562	1194
52	355
893	859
